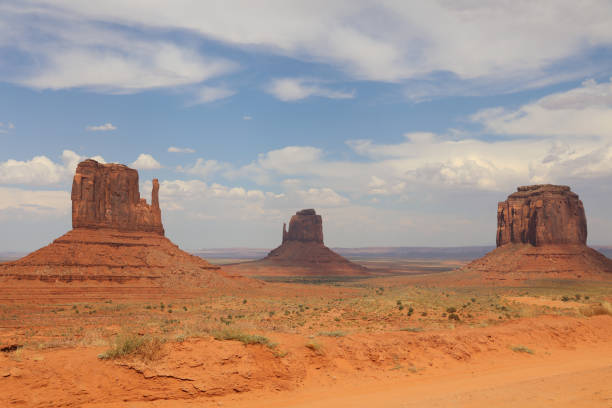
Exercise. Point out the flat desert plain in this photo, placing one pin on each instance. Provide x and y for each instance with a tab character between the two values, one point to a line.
391	340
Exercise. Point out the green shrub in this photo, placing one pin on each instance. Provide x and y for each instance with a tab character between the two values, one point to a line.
453	316
451	310
234	334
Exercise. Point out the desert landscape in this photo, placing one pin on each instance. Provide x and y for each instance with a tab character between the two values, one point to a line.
296	204
113	314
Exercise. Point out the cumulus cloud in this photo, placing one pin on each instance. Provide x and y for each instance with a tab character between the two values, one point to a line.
101	128
321	197
40	170
203	168
583	111
294	89
48	202
173	149
145	162
209	94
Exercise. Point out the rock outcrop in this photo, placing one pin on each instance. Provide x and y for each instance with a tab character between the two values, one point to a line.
107	196
304	226
541	233
302	253
541	215
116	237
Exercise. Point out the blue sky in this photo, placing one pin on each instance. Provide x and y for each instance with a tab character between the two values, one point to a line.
402	123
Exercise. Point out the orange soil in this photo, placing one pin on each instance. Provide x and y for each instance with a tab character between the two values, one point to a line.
460	367
520	262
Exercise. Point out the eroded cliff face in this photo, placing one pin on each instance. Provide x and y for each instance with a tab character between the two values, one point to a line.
107	196
541	215
304	226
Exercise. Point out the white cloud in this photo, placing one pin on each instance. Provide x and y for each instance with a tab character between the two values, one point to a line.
321	197
173	149
373	40
118	59
41	170
102	128
145	162
583	111
5	127
39	202
203	168
246	117
294	89
209	94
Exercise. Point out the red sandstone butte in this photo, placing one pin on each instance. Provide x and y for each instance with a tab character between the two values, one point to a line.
116	237
302	253
541	215
542	233
107	196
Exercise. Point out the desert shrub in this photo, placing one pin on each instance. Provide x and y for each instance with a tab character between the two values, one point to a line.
605	308
522	349
314	346
245	338
565	298
126	344
412	329
333	334
453	316
451	309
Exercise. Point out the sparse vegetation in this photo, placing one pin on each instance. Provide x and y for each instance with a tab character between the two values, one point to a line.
333	334
522	349
235	334
412	329
129	344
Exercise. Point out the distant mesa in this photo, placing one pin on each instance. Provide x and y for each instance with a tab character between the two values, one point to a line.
305	226
542	233
116	237
302	253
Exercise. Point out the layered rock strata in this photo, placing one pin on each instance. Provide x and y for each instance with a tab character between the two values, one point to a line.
107	196
542	233
541	215
116	237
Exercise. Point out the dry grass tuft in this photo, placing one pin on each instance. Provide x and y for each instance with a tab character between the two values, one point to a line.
604	308
231	333
148	348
